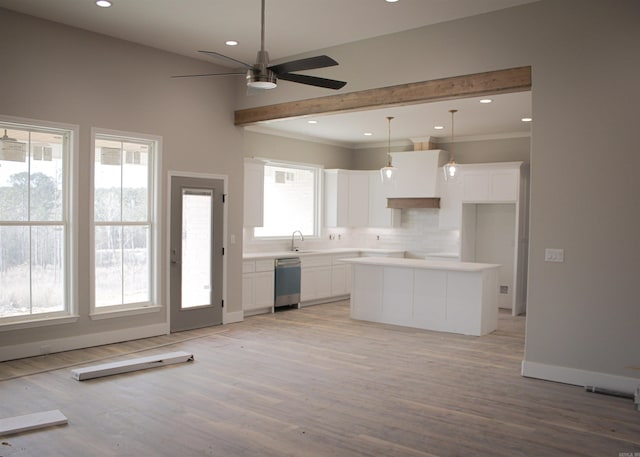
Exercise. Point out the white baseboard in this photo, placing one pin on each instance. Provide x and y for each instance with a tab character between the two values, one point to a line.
233	316
35	348
578	377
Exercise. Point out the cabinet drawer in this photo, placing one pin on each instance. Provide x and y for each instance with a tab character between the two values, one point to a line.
248	266
265	265
315	260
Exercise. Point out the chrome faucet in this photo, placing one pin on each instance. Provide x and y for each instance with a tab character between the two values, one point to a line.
294	248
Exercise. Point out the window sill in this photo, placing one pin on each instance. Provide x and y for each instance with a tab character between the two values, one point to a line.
112	314
39	322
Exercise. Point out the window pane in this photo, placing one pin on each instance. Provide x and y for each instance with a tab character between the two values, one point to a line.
107	181
289	201
135	182
14	175
136	265
46	177
108	266
47	272
196	249
15	299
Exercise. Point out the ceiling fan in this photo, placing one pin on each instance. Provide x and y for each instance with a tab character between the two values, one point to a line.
263	76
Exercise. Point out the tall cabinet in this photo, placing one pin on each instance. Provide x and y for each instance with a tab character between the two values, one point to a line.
494	224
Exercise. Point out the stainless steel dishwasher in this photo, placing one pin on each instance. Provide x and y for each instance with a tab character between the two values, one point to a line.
287	289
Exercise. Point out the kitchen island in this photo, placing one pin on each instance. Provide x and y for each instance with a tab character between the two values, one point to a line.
456	297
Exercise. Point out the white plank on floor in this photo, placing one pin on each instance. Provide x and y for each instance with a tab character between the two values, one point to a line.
125	366
33	421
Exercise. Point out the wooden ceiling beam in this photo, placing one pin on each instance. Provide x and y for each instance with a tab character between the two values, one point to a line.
474	85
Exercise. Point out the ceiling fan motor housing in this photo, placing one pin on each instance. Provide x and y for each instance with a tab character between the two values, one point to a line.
259	76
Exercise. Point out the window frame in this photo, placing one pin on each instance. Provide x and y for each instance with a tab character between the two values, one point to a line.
69	221
318	171
155	189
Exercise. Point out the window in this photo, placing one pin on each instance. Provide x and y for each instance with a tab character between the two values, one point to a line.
35	221
290	200
123	221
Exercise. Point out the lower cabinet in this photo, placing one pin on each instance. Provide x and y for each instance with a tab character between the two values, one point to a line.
315	278
258	281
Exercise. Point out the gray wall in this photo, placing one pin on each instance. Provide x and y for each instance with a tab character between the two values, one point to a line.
583	314
295	150
56	73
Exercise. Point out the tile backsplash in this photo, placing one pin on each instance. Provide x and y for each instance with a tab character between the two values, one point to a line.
418	235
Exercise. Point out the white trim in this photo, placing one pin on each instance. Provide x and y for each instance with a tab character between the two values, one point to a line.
225	227
156	256
297	136
108	313
230	317
34	421
70	219
579	377
35	348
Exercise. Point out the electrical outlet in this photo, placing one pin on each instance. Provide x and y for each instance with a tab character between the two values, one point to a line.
553	255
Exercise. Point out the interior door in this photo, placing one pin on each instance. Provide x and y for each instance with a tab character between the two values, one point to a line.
196	252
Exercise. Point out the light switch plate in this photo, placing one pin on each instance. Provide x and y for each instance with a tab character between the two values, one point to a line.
553	255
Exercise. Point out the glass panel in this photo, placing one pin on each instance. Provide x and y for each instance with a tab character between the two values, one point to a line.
14	175
107	181
196	248
108	266
47	272
46	176
135	182
289	201
136	264
14	271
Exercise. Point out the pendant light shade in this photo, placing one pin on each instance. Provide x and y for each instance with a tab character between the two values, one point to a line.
387	172
451	170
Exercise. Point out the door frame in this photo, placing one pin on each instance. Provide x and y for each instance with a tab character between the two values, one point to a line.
167	242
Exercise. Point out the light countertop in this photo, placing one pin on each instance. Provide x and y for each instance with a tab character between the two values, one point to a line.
422	264
304	252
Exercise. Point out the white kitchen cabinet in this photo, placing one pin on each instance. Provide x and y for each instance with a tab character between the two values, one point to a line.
253	193
315	277
416	174
346	198
450	212
258	282
491	182
379	214
341	274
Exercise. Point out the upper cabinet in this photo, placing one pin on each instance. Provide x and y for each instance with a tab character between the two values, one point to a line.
253	193
346	198
416	174
491	182
355	198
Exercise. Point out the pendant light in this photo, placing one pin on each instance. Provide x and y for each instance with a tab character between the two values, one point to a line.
386	173
451	170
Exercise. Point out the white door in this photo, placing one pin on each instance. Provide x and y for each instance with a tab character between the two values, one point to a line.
196	252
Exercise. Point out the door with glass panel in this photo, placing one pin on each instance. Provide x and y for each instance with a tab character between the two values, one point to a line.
196	252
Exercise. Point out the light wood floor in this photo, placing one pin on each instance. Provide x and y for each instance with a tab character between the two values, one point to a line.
312	382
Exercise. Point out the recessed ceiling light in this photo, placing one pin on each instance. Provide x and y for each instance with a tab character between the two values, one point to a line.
103	3
368	134
526	119
391	1
486	100
231	43
438	127
312	122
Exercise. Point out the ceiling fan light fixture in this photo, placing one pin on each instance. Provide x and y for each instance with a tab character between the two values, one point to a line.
261	80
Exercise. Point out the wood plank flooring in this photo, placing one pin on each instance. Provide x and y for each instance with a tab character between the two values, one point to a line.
313	382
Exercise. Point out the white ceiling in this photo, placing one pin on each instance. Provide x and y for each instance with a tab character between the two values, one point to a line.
294	27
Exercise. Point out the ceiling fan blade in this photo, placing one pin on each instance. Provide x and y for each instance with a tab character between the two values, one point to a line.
227	58
313	81
310	63
209	74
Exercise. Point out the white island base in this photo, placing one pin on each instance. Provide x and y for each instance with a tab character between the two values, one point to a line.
456	297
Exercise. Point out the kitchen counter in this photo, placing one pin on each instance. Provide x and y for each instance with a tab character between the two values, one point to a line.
307	252
456	297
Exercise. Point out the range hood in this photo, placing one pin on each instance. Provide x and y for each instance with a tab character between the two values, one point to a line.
416	181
